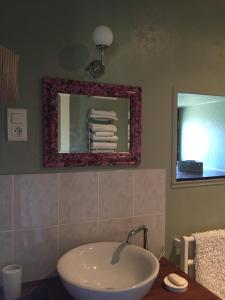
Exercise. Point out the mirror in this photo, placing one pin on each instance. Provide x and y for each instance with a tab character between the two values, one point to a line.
89	123
198	137
78	113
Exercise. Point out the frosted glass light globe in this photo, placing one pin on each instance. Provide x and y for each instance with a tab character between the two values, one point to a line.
102	35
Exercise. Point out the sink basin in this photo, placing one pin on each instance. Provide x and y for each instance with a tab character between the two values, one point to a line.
108	271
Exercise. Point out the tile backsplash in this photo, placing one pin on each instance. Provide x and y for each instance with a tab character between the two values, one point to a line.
44	215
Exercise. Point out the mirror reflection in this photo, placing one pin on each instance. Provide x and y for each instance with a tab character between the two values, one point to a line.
93	124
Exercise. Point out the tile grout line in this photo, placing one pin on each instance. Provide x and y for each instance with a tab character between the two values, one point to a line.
58	212
96	220
98	216
164	209
13	217
133	197
36	228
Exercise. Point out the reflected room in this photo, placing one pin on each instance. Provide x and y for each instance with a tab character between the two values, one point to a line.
94	124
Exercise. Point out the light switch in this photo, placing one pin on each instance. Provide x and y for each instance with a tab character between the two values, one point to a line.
17	118
17	124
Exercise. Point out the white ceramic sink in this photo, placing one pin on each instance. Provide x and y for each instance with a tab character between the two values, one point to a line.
108	271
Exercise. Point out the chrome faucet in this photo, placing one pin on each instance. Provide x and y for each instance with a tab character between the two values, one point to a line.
137	229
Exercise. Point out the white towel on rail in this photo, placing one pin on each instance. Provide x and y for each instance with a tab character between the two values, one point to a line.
102	112
97	138
102	127
210	260
102	117
103	151
101	145
104	133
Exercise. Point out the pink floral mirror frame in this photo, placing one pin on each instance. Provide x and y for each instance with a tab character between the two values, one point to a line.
53	159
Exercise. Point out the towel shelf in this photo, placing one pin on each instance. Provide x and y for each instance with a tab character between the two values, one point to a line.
102	121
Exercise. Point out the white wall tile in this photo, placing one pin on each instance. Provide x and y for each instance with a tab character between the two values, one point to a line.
5	202
35	200
78	197
149	192
36	250
77	234
156	233
116	194
114	230
90	206
5	250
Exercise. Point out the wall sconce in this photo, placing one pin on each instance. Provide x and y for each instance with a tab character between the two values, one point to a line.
103	37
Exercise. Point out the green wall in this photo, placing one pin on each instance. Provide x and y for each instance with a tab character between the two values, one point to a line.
157	45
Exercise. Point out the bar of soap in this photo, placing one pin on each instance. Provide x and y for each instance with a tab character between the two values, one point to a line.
176	279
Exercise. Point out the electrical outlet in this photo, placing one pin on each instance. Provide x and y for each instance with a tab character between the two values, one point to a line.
17	124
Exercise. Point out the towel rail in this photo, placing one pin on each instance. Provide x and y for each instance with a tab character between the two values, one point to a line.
184	244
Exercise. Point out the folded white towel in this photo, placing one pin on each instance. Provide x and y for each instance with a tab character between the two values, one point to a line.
103	151
101	145
102	127
210	260
102	117
102	112
104	133
96	138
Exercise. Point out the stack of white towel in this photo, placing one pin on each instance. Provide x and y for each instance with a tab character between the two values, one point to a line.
103	137
102	115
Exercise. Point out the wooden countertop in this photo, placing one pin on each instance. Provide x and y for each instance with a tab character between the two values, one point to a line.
55	291
195	291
